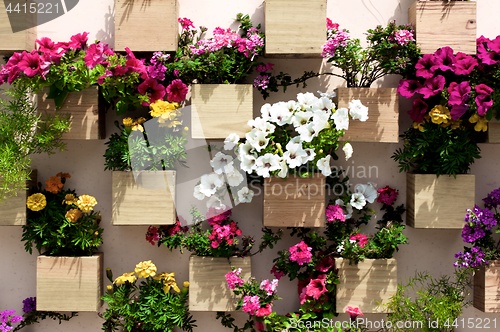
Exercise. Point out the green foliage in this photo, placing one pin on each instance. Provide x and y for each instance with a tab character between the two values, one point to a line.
34	317
23	132
146	306
427	299
437	150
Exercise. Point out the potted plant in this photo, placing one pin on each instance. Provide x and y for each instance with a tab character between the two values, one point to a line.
217	67
454	19
216	244
288	145
390	50
481	253
449	112
64	228
144	300
143	157
341	265
24	132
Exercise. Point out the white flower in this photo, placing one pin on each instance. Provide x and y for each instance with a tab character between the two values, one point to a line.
280	114
347	148
341	119
266	164
348	207
283	173
245	195
320	120
294	154
358	200
262	125
358	111
210	183
307	100
264	111
323	165
198	194
310	154
292	106
247	163
222	163
244	150
340	247
257	139
234	178
307	132
301	118
368	191
325	104
329	95
231	141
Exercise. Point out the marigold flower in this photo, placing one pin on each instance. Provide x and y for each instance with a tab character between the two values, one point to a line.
169	282
127	122
36	202
54	184
161	107
86	203
138	127
73	215
145	269
70	199
128	276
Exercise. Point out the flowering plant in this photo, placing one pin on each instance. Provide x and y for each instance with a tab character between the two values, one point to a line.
480	225
155	144
60	223
7	318
453	99
222	237
154	304
227	57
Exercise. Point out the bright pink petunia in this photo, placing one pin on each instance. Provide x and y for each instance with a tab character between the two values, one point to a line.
334	213
387	195
457	111
78	41
264	311
432	86
361	239
465	64
96	54
425	66
483	98
353	312
185	23
135	65
408	88
151	88
177	91
30	64
300	253
459	92
330	25
325	264
316	287
418	111
251	304
233	279
444	59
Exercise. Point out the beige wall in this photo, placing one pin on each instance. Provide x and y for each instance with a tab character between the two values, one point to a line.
429	250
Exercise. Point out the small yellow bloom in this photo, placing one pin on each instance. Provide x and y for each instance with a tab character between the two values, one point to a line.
70	199
86	203
418	125
170	120
160	107
440	114
109	287
185	284
480	121
128	276
455	124
36	202
138	127
127	122
169	282
141	120
145	269
73	215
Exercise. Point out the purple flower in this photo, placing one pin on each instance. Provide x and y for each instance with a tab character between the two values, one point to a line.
459	92
457	111
492	200
418	110
432	86
464	64
474	257
444	59
483	98
29	304
488	51
408	88
471	234
425	66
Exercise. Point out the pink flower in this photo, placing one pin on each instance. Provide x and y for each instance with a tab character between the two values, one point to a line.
387	195
432	86
251	304
30	64
459	93
361	239
353	312
334	213
325	264
483	98
269	286
96	54
261	81
151	88
217	216
177	91
300	253
152	236
465	64
78	41
418	110
444	59
330	25
262	68
233	279
403	37
316	287
339	38
135	65
264	311
260	325
186	23
408	88
425	66
277	273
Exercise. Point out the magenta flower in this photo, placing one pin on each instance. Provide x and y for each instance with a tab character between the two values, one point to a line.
78	41
361	239
264	311
177	91
30	64
459	92
483	98
300	253
408	88
444	59
457	111
334	213
464	64
135	65
425	66
330	25
316	287
403	37
269	286
261	81
251	304
233	279
325	264
418	111
96	54
353	312
186	23
432	86
151	88
277	273
387	195
263	68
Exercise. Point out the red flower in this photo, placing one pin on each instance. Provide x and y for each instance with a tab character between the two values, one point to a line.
387	195
151	88
264	311
361	239
316	287
177	91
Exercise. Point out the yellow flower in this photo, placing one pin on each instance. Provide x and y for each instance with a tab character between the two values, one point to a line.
168	282
481	122
170	120
86	203
418	125
145	269
138	127
73	215
54	184
160	107
127	122
128	276
109	287
440	114
185	284
70	199
36	202
141	120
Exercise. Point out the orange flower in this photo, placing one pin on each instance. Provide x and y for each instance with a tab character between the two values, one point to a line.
54	184
73	215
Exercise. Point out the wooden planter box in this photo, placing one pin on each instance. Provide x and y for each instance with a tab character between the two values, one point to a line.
208	290
487	288
383	114
438	202
295	28
367	285
146	26
10	41
69	283
13	209
294	201
146	198
439	24
218	110
86	113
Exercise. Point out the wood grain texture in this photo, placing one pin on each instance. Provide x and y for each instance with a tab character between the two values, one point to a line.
19	41
146	198
367	285
208	290
13	209
218	110
146	26
383	114
69	283
295	28
438	202
83	108
294	201
494	131
487	288
439	24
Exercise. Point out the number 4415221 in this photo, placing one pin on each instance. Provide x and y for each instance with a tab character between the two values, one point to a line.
471	323
32	8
